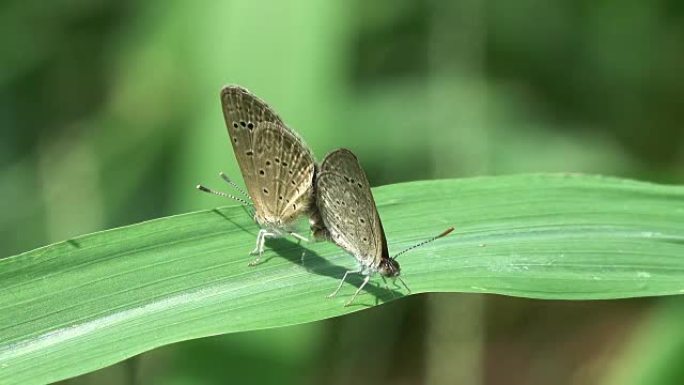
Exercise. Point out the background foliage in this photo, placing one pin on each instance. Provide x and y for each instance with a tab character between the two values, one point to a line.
110	115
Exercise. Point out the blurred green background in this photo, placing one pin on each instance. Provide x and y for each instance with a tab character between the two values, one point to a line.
110	115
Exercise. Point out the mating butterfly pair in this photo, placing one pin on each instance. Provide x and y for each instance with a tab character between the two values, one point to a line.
284	183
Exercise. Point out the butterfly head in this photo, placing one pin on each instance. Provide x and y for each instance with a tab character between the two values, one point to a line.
389	267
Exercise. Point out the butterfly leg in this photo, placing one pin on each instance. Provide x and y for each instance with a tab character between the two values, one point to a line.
346	273
384	280
404	283
300	237
365	281
259	249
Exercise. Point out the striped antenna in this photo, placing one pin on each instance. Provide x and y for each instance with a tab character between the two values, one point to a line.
222	194
235	186
443	234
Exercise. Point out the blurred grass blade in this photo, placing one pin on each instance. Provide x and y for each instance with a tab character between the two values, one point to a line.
89	302
654	354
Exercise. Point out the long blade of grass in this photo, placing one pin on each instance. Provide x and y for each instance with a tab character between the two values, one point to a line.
82	304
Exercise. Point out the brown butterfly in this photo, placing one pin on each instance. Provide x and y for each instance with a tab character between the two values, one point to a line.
277	166
351	219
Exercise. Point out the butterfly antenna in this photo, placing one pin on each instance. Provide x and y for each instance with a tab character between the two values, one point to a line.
222	194
235	186
443	234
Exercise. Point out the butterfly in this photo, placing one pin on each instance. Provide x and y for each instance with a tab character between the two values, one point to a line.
350	218
276	164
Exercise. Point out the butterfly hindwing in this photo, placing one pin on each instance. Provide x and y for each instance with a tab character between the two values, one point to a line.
347	207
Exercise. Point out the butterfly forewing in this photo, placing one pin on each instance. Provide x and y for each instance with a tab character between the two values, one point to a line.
347	207
243	113
277	166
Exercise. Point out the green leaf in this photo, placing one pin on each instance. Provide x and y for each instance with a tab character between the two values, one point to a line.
91	301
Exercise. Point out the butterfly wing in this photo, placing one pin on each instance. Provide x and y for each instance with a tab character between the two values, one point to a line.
348	210
284	172
276	164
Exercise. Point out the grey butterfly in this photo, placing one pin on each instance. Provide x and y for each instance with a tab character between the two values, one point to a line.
351	219
277	166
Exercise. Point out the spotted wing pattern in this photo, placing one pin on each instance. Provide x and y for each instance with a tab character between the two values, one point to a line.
284	171
346	204
276	165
